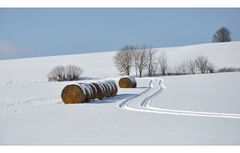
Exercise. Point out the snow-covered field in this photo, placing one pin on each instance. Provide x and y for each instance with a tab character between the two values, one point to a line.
191	109
101	64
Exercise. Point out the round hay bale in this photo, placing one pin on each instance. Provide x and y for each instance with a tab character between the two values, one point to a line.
72	94
104	90
113	88
108	89
99	94
127	82
84	92
94	89
88	91
116	87
110	86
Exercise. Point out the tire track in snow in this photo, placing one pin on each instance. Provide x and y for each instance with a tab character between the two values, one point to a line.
141	103
125	103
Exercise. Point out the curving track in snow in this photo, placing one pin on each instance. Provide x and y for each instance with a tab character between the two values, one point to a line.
141	103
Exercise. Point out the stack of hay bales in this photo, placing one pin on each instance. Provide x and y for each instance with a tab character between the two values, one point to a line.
84	92
127	82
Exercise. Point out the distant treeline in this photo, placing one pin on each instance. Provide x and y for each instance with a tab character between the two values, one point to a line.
146	61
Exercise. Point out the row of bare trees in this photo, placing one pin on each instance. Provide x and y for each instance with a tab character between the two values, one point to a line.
148	60
200	64
145	59
141	58
65	73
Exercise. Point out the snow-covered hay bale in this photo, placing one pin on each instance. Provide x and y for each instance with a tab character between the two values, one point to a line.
111	88
114	87
103	89
94	91
88	91
99	94
73	94
107	87
127	82
84	92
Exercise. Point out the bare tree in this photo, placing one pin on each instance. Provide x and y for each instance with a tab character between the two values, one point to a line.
211	68
154	68
123	59
181	68
192	68
162	60
222	35
135	59
151	60
176	69
73	72
57	74
186	67
141	60
202	64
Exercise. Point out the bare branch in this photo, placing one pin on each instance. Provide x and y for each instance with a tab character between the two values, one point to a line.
162	60
123	60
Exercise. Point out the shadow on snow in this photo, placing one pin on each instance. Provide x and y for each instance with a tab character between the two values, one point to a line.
114	99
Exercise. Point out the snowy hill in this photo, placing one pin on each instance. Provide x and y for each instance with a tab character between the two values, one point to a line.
220	54
101	64
188	109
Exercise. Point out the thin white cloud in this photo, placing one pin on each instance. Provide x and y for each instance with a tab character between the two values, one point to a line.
9	50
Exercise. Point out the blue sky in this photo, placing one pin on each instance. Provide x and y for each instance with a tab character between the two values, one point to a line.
44	32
